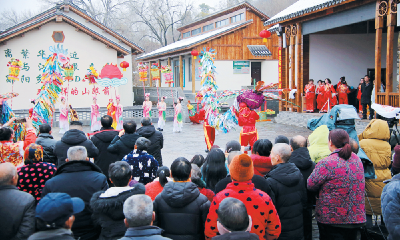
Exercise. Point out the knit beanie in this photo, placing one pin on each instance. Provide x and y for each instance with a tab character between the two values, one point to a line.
241	168
33	153
396	159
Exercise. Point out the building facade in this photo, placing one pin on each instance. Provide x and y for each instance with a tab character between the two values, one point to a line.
88	42
242	57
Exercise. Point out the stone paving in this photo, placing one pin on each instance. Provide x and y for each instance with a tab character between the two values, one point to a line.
191	140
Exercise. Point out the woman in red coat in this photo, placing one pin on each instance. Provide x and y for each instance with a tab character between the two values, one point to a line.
343	90
260	155
359	95
321	97
154	188
247	120
330	94
309	89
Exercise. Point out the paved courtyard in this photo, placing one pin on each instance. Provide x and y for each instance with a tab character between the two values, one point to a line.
191	140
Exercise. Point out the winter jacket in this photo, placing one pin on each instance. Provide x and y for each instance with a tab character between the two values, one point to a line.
144	166
201	185
181	211
237	236
259	183
287	184
264	217
79	179
262	165
123	145
341	189
391	207
157	141
14	152
366	92
144	233
108	212
17	210
48	143
102	140
318	139
374	142
55	234
72	138
33	177
154	188
301	158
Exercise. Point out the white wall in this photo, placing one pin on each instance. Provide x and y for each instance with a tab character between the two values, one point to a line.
349	55
88	51
270	71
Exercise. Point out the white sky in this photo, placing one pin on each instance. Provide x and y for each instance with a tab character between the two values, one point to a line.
36	5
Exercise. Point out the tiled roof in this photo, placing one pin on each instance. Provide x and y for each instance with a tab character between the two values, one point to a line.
259	50
192	41
274	28
301	7
225	11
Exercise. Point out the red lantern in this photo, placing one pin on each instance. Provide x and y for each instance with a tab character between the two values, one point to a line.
195	53
265	34
124	65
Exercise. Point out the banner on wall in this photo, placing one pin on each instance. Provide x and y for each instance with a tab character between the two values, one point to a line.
241	67
280	68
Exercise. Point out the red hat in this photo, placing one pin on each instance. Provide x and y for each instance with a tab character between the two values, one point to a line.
241	168
396	159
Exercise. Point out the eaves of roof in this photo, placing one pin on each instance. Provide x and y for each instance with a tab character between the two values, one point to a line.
51	17
221	12
191	45
299	13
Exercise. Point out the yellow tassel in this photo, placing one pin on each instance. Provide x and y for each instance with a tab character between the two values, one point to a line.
264	40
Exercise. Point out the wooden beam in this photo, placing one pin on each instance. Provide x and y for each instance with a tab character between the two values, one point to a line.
287	71
292	62
299	58
150	77
159	65
193	75
181	72
378	50
391	24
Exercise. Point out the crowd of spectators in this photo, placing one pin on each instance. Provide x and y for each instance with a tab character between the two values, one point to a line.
113	186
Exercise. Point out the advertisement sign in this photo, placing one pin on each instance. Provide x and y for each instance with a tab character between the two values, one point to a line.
241	67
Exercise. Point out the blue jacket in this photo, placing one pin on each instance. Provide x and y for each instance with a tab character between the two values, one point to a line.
144	167
145	232
390	201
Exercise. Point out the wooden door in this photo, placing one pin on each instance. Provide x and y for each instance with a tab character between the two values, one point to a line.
255	72
176	74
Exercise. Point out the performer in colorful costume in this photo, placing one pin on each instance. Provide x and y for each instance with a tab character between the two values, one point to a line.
178	116
209	132
247	119
64	124
330	94
111	112
118	113
343	90
73	114
95	124
147	106
162	107
309	89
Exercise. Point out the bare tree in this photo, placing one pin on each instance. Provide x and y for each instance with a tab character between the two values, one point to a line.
161	18
9	18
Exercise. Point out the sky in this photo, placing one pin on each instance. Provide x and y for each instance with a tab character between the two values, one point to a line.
36	5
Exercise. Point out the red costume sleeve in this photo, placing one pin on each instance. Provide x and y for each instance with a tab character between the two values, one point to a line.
29	138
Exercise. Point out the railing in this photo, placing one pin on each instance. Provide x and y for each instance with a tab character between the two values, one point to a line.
394	99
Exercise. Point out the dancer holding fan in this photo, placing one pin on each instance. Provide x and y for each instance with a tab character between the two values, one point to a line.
64	109
147	106
162	107
118	113
178	116
95	116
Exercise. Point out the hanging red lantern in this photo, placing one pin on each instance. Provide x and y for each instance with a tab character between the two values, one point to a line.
195	53
124	65
265	34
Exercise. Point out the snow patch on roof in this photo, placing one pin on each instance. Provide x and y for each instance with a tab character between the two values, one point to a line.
301	7
187	42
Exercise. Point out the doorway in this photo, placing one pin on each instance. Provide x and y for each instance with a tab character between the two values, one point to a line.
255	72
371	74
176	73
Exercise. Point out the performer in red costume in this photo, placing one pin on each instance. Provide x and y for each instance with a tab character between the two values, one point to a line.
247	119
309	89
343	90
330	94
320	92
209	132
359	95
